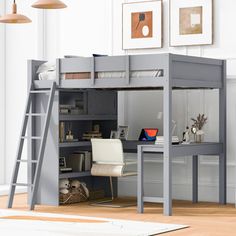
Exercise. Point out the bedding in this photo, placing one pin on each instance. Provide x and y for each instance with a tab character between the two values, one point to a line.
47	71
47	75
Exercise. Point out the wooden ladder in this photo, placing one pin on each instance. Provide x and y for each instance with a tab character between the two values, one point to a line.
37	164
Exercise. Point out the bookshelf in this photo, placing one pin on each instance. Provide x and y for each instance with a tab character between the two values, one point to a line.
91	112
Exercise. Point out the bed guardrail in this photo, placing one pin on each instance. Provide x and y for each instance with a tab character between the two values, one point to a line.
124	64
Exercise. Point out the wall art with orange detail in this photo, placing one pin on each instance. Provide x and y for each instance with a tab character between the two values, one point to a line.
142	25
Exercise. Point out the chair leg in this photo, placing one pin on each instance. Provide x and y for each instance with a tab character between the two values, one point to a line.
104	202
112	191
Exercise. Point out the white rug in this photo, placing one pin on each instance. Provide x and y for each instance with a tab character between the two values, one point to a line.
105	226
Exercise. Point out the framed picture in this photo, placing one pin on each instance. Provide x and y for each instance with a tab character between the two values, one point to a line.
62	162
114	134
142	25
123	132
191	22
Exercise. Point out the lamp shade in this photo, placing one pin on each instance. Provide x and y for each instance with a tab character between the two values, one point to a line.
49	4
14	17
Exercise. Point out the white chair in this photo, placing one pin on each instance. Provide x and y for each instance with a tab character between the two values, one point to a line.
108	160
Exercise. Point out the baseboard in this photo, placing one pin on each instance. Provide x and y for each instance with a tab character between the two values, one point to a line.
4	190
181	191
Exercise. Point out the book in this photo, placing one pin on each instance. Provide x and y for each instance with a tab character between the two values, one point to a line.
87	161
75	161
62	132
91	134
64	111
160	140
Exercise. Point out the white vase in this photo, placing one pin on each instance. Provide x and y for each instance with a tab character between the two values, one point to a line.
199	137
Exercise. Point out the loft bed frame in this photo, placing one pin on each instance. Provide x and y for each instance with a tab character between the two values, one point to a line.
177	72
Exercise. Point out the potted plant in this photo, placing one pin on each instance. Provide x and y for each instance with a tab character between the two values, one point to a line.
197	127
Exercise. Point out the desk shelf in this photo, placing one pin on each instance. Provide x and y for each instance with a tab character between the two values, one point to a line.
71	175
127	144
75	144
206	148
70	117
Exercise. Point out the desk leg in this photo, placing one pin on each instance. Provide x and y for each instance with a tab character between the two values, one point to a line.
223	138
140	181
195	179
167	182
167	155
222	179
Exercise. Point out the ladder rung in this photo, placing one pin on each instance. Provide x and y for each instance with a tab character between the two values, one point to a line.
22	184
30	161
40	91
33	137
35	114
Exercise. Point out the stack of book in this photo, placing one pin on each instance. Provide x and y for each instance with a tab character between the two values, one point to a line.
65	109
92	134
80	161
87	160
160	140
77	109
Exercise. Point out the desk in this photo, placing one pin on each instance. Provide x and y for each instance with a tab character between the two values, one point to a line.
193	149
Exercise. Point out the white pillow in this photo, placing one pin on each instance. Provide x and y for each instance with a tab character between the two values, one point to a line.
47	66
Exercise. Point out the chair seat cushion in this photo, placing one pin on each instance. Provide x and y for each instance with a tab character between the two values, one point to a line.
109	170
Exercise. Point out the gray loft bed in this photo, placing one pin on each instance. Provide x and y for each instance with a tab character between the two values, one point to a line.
177	72
181	71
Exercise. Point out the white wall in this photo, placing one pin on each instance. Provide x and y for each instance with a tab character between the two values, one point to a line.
87	27
2	96
21	44
83	28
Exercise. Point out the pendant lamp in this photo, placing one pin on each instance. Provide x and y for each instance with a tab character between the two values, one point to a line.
14	18
49	4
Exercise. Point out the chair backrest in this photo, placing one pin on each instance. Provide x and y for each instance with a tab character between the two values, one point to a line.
107	151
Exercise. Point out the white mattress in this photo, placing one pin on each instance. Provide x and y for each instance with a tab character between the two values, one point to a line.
133	74
47	71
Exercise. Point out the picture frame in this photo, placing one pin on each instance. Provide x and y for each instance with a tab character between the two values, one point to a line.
191	22
142	25
62	162
114	134
123	132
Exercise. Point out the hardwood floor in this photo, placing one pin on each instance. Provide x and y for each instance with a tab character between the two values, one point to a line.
203	218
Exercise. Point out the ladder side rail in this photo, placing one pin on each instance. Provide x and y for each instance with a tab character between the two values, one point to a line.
42	147
31	145
19	151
